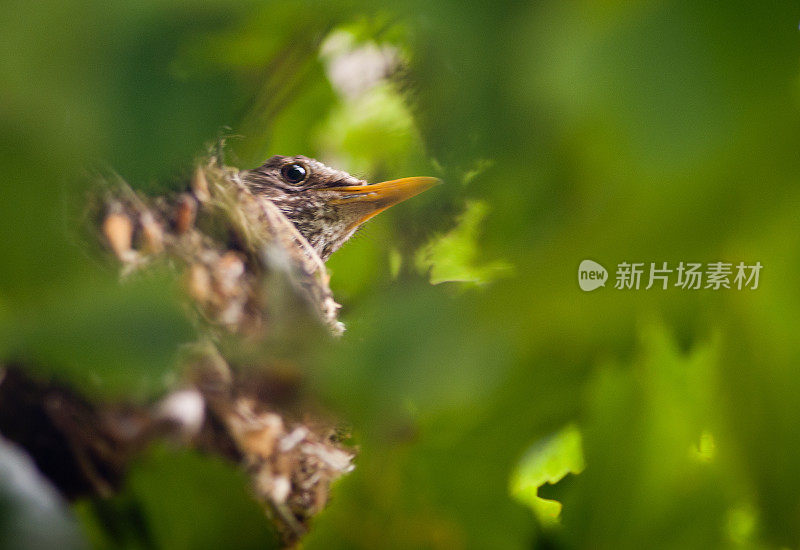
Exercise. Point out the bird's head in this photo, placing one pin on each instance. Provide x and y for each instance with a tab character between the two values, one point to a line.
326	205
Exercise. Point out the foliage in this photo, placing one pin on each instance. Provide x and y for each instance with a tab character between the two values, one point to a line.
152	511
638	131
548	462
452	257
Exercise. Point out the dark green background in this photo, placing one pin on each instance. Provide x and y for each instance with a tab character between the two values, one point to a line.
616	131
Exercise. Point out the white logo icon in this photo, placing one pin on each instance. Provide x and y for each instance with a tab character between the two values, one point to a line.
591	275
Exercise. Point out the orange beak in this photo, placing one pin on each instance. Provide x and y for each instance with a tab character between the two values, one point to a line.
370	200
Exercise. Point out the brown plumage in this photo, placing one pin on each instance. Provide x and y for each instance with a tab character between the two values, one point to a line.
326	205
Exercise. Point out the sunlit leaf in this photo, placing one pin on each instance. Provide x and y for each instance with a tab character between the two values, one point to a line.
455	257
548	461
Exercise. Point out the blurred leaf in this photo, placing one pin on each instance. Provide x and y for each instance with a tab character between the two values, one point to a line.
374	135
103	338
644	484
179	499
548	461
455	256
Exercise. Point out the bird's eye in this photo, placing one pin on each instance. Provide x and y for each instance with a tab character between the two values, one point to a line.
293	173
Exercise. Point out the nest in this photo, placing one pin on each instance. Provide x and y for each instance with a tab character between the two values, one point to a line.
229	242
245	268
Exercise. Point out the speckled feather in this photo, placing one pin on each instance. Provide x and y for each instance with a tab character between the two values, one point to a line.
308	205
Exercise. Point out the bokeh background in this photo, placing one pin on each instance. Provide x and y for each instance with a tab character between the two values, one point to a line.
494	403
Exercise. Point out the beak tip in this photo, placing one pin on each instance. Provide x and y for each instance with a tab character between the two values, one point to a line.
427	182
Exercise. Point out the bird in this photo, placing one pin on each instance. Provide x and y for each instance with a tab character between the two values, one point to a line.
326	205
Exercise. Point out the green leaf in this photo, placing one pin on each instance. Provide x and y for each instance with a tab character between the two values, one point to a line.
102	337
455	257
547	461
179	499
